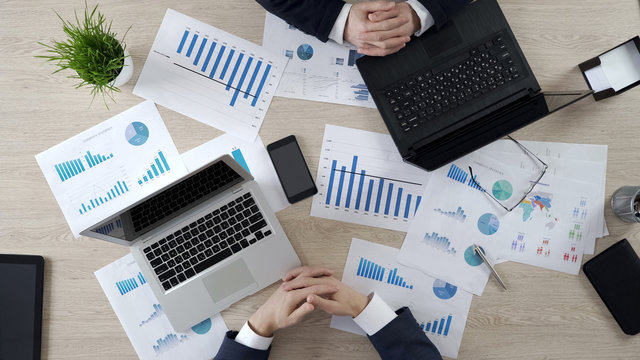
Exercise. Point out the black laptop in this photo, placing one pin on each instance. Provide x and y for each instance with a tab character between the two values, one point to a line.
455	89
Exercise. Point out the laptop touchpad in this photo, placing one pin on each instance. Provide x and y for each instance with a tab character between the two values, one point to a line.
442	40
229	280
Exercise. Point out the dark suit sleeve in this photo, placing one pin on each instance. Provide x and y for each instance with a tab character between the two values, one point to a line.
402	338
232	350
314	17
442	10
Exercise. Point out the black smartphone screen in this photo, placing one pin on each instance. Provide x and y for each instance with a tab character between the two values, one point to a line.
291	168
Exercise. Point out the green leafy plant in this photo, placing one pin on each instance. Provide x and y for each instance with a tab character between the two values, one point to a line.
92	50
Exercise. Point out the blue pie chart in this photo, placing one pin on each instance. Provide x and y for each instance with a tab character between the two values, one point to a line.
203	327
488	224
502	190
136	133
305	52
471	257
443	289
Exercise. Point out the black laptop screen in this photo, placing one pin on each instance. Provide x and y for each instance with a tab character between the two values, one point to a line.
557	100
168	204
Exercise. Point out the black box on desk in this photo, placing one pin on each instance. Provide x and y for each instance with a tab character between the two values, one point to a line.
614	71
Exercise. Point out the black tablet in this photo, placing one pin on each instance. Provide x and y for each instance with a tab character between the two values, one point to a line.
21	278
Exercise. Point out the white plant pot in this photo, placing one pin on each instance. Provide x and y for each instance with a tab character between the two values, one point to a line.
126	72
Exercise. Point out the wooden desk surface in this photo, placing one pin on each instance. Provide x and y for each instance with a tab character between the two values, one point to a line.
545	315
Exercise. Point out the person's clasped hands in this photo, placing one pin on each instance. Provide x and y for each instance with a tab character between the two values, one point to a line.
380	28
303	290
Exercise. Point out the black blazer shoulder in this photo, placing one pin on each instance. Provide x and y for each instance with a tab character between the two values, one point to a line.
314	17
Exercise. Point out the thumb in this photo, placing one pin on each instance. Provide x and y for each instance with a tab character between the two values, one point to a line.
373	6
298	314
329	306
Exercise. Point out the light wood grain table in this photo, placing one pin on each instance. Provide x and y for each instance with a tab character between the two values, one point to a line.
545	315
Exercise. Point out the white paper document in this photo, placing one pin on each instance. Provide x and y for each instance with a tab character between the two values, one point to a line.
110	166
440	308
210	75
362	179
144	321
581	162
316	71
548	228
252	156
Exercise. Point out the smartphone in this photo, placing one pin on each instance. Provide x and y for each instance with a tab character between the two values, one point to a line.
291	168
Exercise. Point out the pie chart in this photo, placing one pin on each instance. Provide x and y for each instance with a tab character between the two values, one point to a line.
203	327
471	257
502	190
443	289
305	52
488	224
136	133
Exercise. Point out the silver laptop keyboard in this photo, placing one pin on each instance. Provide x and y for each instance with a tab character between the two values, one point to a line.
207	241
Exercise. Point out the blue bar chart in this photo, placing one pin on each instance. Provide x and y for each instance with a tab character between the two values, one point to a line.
370	270
108	228
362	179
441	243
168	342
457	215
239	157
359	192
462	176
241	74
437	327
157	312
128	285
157	168
68	169
119	188
360	92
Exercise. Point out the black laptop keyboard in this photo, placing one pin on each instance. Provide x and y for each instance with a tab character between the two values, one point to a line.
207	241
428	95
184	195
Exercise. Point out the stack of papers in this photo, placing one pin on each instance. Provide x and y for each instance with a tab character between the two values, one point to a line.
556	223
440	308
143	320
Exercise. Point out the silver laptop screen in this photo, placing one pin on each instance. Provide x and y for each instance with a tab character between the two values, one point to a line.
171	202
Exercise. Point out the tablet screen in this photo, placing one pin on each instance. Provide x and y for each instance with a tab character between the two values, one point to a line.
20	311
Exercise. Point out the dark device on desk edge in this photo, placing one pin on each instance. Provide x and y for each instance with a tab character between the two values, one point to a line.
615	274
292	169
21	285
455	89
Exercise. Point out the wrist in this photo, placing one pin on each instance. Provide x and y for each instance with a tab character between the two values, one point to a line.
359	305
261	325
415	20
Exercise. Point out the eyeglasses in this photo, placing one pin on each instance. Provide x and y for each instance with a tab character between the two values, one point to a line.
544	167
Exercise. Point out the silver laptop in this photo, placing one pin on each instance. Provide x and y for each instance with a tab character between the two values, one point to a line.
203	242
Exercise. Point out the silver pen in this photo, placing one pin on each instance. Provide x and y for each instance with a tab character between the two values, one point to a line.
489	264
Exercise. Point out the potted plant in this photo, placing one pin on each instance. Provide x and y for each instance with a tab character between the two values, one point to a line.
92	50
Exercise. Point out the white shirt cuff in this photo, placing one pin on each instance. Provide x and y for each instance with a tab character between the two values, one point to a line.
426	20
247	337
375	316
337	31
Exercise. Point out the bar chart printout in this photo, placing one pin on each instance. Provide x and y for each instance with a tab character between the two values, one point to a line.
158	167
119	188
145	321
362	179
371	270
440	308
210	75
68	169
437	327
